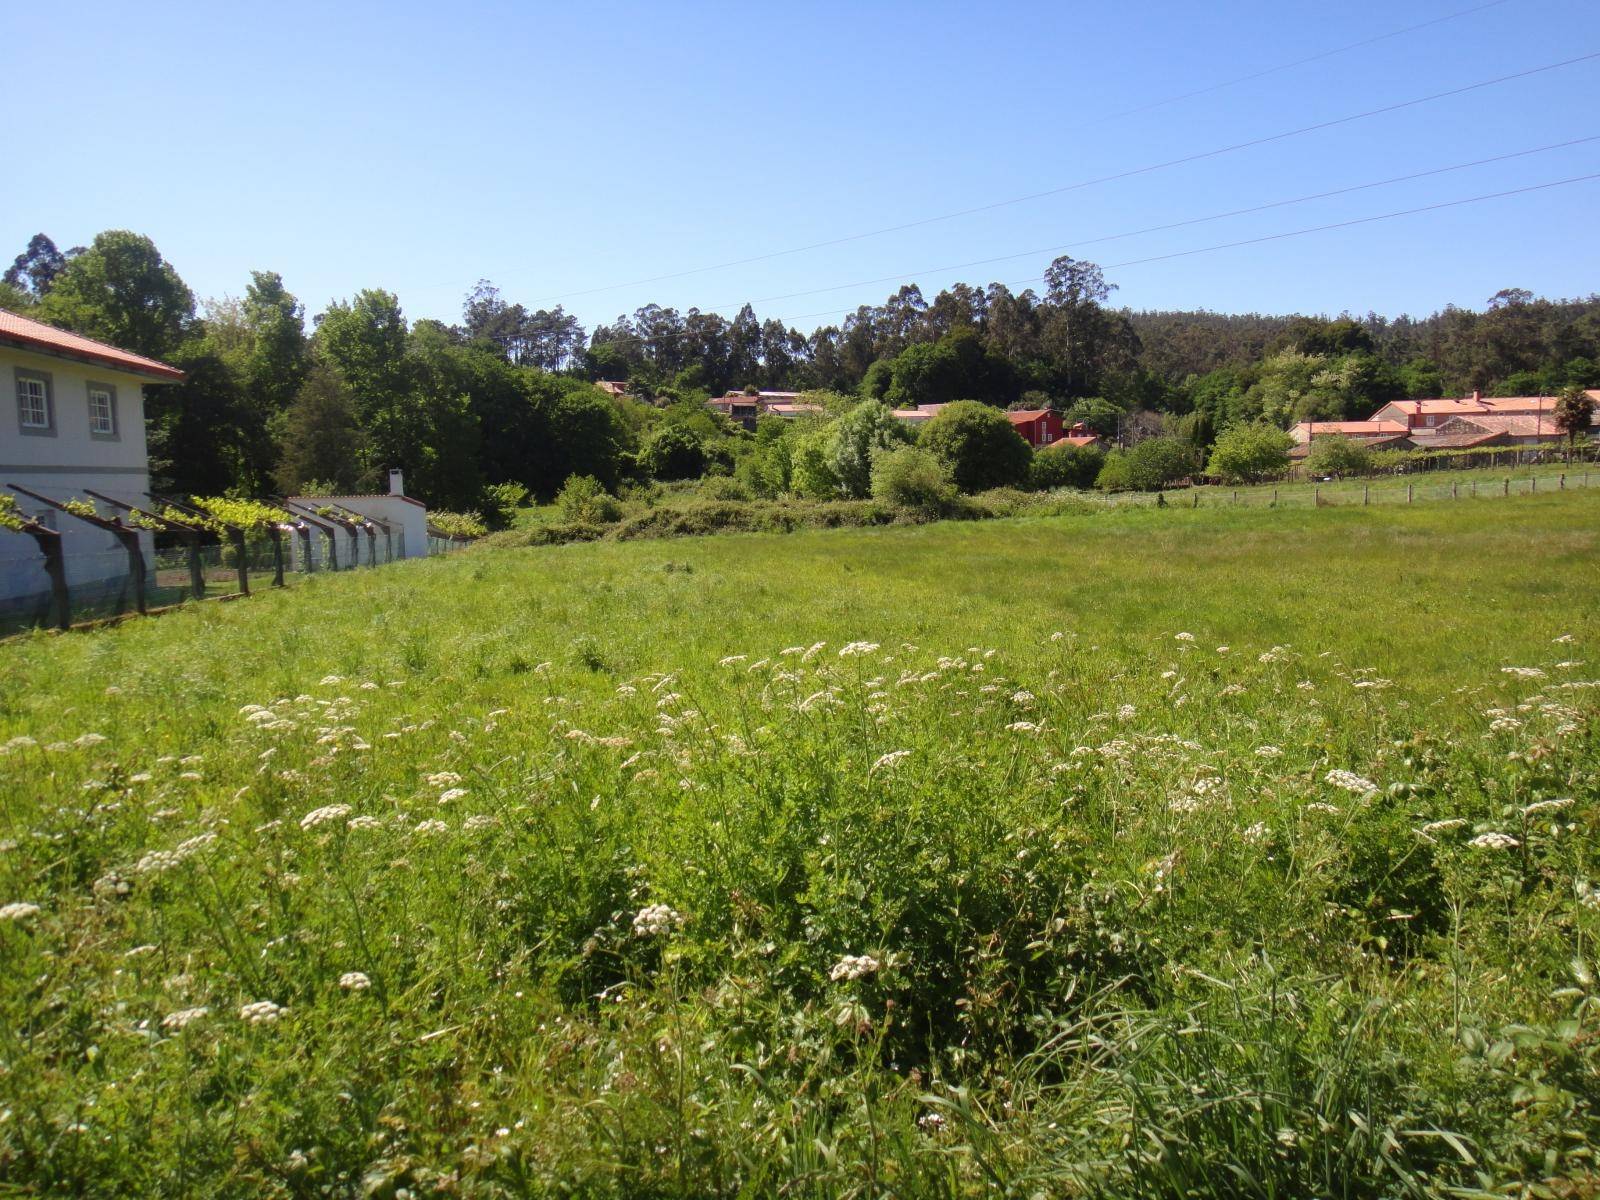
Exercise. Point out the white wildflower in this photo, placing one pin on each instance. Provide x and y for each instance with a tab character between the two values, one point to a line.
1494	841
85	740
1523	672
260	1012
1183	637
731	659
891	758
328	812
1257	833
332	680
18	910
855	649
1023	727
1269	752
183	1018
442	779
431	826
451	794
1126	712
656	919
1540	806
1331	810
1022	697
1351	782
854	966
354	981
363	822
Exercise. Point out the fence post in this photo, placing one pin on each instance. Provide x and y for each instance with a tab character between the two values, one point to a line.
1408	493
1533	484
1365	489
1236	495
1561	482
1316	497
1454	493
1274	497
276	535
236	536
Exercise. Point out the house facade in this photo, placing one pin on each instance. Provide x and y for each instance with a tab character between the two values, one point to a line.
1038	426
75	424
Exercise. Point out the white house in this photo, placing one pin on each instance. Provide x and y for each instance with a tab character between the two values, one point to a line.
402	521
76	423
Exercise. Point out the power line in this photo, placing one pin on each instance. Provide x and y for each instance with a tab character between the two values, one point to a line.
1112	237
1094	182
1276	237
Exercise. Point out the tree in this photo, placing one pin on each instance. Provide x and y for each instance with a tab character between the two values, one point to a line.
34	271
120	290
1148	467
675	452
322	439
979	447
1248	453
1338	456
853	440
1574	413
275	364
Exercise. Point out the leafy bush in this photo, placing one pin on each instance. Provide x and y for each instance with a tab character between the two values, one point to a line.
854	439
1065	465
1338	456
674	452
457	524
500	502
978	445
1250	453
911	477
724	487
583	501
1148	467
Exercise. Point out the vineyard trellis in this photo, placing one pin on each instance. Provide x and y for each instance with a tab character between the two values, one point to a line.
172	550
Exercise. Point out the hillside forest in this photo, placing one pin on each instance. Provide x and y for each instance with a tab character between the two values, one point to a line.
501	404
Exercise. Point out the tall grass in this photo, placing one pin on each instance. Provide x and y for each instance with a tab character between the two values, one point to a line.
1175	854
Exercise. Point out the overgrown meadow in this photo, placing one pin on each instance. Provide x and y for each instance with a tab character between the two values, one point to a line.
1148	854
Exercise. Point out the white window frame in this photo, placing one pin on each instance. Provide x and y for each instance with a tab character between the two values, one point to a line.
110	432
26	400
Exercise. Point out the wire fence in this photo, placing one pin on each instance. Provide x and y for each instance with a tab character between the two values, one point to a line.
87	584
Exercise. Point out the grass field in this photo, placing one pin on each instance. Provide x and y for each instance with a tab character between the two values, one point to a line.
1180	853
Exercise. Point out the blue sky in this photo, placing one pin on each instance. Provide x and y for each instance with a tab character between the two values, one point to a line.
561	149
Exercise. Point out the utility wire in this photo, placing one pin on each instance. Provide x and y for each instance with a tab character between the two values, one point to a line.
1097	180
1113	237
1276	237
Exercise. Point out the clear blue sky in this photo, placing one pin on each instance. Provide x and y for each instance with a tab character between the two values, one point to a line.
557	149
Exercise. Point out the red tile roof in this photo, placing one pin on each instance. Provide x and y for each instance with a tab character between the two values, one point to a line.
1352	428
35	335
1023	416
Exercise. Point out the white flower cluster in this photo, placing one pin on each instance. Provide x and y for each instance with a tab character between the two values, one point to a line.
320	816
890	759
1494	841
260	1012
654	920
18	910
183	1018
854	966
1269	752
354	981
451	794
1351	782
157	861
855	649
1523	672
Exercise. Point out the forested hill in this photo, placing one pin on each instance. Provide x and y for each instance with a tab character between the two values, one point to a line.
503	396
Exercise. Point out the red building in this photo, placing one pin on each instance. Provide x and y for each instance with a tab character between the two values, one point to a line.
1038	426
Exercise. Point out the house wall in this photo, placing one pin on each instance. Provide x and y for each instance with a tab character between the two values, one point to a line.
410	515
61	464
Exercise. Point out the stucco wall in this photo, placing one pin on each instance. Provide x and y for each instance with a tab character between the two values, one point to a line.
63	463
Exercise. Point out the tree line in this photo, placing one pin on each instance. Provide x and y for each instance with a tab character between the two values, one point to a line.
501	402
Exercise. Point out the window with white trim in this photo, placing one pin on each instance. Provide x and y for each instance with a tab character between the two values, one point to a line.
102	411
33	402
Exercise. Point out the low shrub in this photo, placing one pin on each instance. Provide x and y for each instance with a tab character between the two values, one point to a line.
1065	465
724	487
584	500
911	477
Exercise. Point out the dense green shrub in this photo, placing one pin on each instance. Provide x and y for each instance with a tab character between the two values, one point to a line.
724	487
674	452
1250	453
1065	465
1339	456
978	445
1148	467
582	500
912	478
500	502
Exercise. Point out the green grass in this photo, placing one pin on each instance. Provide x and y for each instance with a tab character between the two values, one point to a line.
613	898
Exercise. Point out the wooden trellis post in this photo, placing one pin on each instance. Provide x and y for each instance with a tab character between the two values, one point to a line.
189	533
55	568
329	525
127	536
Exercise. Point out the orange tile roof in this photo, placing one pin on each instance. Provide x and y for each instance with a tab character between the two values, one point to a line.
1023	416
29	334
1353	428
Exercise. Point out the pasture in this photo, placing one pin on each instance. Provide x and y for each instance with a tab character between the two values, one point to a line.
1150	853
